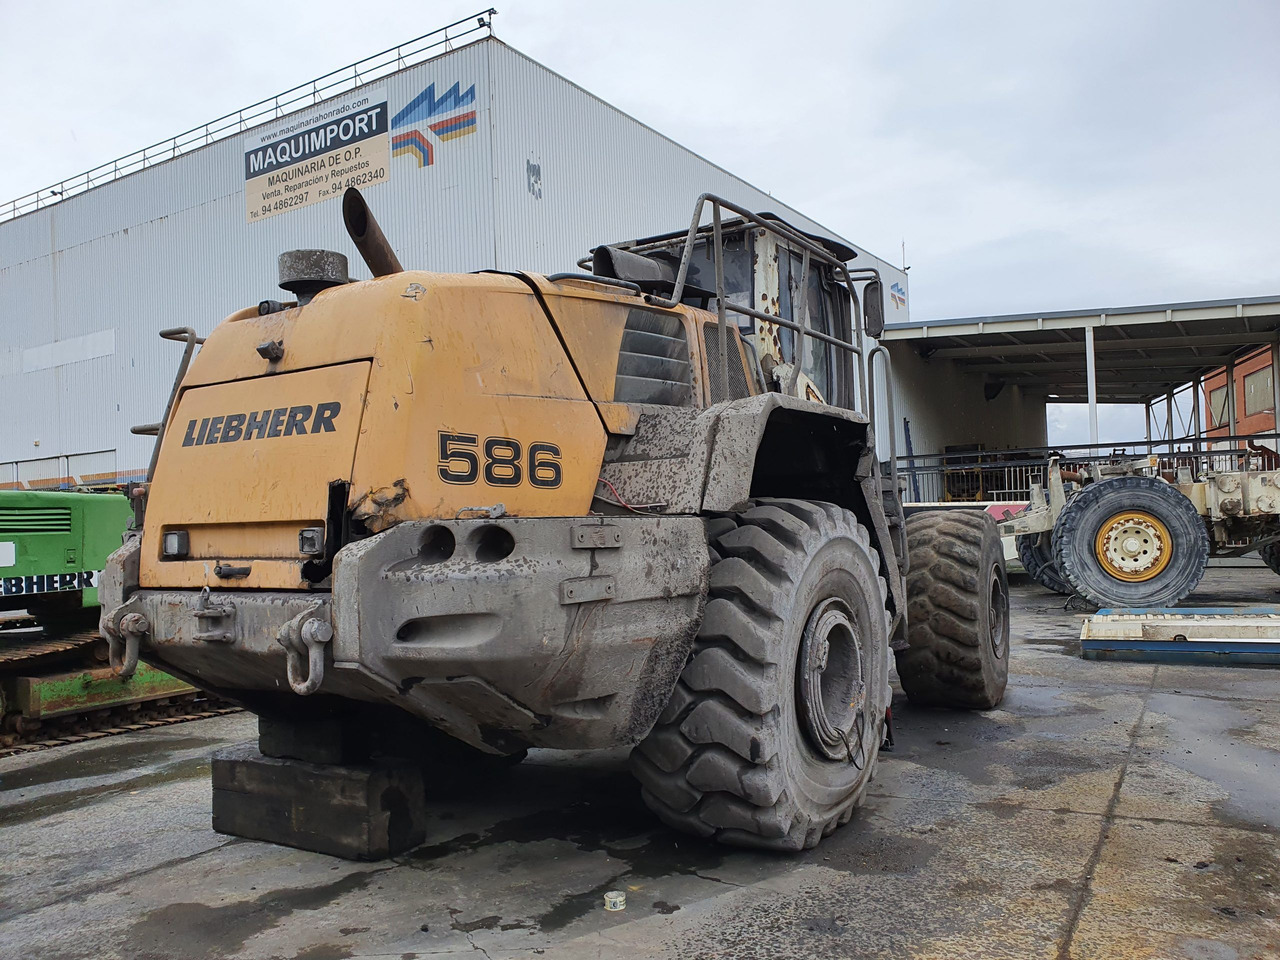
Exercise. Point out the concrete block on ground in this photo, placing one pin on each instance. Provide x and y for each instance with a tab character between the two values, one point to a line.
355	811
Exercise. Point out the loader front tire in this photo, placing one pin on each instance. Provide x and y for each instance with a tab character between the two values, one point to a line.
957	652
773	730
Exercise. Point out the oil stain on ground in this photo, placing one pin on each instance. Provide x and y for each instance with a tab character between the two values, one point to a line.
39	807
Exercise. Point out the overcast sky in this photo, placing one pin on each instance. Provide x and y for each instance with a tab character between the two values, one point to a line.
1031	157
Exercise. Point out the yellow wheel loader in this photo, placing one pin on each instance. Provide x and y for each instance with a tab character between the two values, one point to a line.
439	515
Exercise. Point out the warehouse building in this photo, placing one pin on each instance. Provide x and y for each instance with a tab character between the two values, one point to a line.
473	157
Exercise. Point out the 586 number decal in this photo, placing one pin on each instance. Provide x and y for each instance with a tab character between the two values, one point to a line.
505	462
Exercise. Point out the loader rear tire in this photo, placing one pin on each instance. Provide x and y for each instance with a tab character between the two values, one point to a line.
773	730
1035	551
957	652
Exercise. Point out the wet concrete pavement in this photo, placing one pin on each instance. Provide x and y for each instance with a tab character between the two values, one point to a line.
1105	810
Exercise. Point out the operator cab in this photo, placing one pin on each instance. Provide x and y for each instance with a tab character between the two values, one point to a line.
765	267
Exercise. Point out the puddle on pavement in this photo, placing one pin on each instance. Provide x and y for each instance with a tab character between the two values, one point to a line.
36	808
201	932
605	816
50	766
1064	645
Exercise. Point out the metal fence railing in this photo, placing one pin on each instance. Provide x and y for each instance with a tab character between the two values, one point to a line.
62	472
304	95
1008	475
928	480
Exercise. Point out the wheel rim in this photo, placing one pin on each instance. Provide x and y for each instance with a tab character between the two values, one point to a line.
1134	546
997	605
832	690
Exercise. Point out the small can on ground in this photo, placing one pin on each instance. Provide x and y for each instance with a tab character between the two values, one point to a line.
615	900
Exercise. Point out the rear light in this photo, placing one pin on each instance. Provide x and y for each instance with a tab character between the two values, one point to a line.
311	541
175	544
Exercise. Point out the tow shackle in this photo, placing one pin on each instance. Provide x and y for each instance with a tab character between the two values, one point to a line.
304	639
123	644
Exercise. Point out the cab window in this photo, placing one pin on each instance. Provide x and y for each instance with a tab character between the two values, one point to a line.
817	360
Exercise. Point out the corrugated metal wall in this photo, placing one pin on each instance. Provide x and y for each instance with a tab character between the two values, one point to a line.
548	172
570	171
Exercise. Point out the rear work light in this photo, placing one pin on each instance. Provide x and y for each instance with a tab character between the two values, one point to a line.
175	544
311	541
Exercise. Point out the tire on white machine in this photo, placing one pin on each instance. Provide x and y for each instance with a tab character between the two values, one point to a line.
1035	552
1131	542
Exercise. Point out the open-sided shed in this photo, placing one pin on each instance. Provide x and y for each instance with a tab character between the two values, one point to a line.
987	380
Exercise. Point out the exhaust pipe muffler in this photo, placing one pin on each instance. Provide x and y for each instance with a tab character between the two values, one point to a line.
367	235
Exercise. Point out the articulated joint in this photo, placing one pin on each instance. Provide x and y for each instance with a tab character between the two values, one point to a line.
304	637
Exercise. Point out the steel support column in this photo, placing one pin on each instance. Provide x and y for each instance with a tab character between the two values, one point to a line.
1196	386
1091	370
1231	398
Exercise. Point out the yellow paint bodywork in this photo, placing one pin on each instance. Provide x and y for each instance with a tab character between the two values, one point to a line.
409	356
248	499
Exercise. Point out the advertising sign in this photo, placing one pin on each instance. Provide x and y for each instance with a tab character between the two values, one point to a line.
318	155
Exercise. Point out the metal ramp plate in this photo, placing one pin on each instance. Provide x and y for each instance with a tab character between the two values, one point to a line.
1212	635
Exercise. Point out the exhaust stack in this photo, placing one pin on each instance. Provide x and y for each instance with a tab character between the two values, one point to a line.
367	235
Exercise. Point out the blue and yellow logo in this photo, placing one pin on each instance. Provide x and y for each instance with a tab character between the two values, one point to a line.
454	120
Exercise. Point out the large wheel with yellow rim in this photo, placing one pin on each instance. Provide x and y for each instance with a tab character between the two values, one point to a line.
1131	542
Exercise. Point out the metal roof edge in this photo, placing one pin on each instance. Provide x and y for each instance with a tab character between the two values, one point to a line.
1104	311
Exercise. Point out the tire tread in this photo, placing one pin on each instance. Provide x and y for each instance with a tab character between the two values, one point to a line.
1073	547
943	663
710	766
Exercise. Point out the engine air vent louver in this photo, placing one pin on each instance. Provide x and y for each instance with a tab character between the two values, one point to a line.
19	520
653	364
